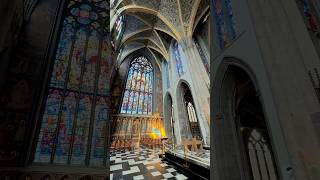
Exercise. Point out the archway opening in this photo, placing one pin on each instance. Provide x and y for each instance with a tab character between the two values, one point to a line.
241	122
252	127
188	117
192	115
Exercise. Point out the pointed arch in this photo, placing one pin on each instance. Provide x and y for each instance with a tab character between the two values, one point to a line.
236	90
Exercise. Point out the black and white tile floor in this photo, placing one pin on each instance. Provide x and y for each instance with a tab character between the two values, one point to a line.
141	164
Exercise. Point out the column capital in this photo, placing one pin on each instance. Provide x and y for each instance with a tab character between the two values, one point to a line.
186	43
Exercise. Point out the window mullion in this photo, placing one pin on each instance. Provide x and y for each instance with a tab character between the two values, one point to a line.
130	87
143	92
139	91
151	79
93	108
73	128
134	90
148	93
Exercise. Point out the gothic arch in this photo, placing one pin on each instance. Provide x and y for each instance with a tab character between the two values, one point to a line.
119	81
235	86
183	90
141	51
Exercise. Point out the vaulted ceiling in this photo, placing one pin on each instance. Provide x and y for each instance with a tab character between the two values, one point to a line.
151	24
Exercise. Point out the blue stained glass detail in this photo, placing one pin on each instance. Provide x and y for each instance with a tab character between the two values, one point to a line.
219	18
225	23
119	27
166	65
150	104
145	103
232	24
62	56
178	60
310	16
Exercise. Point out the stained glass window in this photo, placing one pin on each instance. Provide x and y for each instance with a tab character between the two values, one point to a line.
119	27
225	23
310	17
193	120
260	154
178	60
202	55
191	113
137	98
166	69
78	82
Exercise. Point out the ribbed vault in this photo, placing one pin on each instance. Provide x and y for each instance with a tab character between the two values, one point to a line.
151	24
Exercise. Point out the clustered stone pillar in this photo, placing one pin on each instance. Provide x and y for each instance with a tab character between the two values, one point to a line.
200	86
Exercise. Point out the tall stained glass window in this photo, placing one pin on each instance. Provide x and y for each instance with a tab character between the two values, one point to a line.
166	68
119	27
178	60
75	114
225	23
205	61
310	16
137	98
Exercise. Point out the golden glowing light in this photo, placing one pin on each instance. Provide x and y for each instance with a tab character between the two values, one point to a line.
157	131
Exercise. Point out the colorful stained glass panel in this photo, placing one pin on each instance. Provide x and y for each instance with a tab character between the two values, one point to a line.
81	130
77	60
99	133
103	85
81	48
65	129
91	63
138	86
48	126
225	23
62	57
178	60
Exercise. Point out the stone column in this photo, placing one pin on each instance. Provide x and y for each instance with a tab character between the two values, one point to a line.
200	85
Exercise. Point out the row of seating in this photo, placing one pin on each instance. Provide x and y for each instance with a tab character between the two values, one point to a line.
121	144
151	143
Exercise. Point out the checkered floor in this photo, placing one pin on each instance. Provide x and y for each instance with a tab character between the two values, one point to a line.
142	164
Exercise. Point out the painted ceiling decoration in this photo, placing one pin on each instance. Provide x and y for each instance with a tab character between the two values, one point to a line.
151	24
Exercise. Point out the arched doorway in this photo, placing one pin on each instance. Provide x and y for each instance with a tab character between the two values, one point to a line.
240	131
